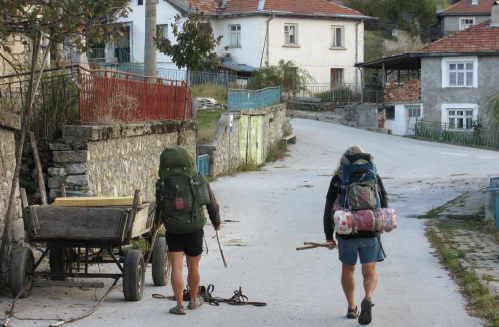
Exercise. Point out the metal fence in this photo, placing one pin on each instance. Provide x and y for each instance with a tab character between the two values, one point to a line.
196	78
247	99
441	132
124	97
343	93
55	102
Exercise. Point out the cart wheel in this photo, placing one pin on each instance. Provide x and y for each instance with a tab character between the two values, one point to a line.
161	264
133	275
22	264
59	261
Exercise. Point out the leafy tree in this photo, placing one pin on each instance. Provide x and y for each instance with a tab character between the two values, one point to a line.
286	75
194	49
415	16
37	24
491	108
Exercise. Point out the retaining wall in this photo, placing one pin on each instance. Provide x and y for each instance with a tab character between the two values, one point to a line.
114	160
9	124
274	118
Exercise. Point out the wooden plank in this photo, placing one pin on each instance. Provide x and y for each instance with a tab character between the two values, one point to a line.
63	191
49	283
34	216
41	182
95	201
79	223
27	219
133	213
140	225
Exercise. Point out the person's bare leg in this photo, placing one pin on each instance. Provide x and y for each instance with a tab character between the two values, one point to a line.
193	277
370	278
177	260
348	283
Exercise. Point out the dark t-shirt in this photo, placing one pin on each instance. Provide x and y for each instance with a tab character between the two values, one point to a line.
332	194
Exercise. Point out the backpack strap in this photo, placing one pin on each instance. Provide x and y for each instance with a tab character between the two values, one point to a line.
380	246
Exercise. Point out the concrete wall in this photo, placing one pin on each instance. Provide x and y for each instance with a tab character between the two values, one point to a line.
218	149
312	52
114	160
9	124
362	115
435	96
451	23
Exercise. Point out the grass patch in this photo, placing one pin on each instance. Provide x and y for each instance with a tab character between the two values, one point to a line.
207	124
435	212
218	93
480	302
141	244
277	152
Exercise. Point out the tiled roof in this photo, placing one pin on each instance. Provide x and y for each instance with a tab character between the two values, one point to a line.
465	7
293	6
475	38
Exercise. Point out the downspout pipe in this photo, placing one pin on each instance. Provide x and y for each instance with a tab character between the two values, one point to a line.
267	38
357	50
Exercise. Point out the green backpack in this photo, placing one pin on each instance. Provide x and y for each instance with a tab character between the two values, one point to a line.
181	192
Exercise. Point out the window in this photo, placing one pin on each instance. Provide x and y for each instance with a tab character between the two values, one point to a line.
460	71
204	28
337	37
235	35
415	112
460	118
290	33
140	2
163	29
390	113
461	74
464	23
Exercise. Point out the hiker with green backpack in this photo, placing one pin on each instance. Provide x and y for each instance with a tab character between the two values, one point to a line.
181	194
357	192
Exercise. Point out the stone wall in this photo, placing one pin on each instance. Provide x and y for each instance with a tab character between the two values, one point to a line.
114	160
359	115
218	149
9	124
404	41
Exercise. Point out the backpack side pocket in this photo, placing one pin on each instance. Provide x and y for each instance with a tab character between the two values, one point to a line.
201	190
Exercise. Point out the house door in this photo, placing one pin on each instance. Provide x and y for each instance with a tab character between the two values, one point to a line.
413	114
336	77
250	143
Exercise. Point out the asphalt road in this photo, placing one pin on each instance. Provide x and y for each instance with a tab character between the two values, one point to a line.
269	213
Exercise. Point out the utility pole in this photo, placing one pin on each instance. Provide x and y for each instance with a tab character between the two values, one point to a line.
149	48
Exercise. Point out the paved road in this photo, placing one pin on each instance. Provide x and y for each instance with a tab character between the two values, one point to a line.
275	210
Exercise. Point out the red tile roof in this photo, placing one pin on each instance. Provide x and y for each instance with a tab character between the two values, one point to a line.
475	38
465	7
293	6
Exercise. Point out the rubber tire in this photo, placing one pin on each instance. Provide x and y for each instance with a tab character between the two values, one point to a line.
133	275
59	261
22	263
161	265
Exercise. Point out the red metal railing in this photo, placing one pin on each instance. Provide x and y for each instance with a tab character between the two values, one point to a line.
125	97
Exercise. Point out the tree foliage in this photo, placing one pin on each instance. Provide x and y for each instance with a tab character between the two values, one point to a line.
195	46
77	23
491	108
285	74
415	16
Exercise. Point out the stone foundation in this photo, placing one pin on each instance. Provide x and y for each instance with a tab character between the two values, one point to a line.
114	160
9	124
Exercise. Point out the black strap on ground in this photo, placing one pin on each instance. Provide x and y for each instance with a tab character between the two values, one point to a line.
237	299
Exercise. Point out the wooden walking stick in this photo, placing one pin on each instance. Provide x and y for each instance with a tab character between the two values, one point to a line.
313	245
221	251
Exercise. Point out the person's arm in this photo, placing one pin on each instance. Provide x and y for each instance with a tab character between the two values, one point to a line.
383	196
213	209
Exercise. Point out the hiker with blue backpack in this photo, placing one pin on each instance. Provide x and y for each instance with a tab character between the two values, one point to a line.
181	194
357	210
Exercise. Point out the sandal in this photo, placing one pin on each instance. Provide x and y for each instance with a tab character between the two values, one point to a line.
178	310
365	315
352	313
195	305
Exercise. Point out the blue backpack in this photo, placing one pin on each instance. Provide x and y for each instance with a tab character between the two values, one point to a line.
359	187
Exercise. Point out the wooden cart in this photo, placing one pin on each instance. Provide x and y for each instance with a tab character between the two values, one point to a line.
79	236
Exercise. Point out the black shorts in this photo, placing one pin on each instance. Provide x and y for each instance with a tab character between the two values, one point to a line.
191	243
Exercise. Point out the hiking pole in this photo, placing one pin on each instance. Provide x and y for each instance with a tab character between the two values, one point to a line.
221	251
313	245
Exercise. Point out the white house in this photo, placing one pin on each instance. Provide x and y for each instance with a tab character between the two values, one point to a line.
323	38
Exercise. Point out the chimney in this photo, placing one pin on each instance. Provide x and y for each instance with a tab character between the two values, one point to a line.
439	7
494	21
223	3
